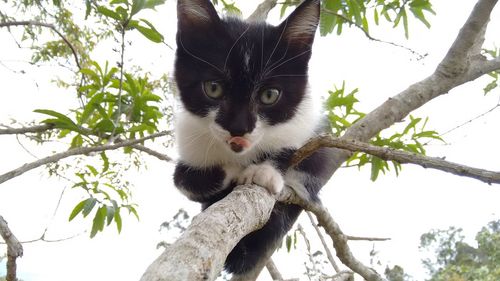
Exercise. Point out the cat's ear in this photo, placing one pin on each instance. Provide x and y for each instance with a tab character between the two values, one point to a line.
300	26
196	14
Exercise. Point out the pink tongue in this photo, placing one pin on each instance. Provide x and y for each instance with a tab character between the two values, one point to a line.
238	143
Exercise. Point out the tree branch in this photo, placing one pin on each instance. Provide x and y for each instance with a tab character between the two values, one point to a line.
75	151
46	127
24	130
323	242
260	14
152	152
273	270
445	78
200	252
51	26
333	230
14	249
398	156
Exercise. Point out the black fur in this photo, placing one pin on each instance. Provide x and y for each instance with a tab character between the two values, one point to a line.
245	58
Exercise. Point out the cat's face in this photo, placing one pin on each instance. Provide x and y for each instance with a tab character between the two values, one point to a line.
242	79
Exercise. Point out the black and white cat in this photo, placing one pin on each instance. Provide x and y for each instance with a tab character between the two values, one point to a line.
246	109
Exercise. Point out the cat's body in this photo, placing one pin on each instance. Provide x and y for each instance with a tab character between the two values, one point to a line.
247	109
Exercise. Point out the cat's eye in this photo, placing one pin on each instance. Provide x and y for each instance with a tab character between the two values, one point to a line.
269	96
213	89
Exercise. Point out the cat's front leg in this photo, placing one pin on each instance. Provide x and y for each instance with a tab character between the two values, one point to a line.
205	185
264	174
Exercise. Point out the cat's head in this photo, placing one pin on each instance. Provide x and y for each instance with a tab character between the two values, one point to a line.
243	78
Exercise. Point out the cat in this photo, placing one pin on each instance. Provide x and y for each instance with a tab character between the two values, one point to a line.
246	109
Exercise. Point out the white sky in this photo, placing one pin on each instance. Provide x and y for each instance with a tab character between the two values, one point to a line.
400	208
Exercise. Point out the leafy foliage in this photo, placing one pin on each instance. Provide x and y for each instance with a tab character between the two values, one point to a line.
115	102
342	113
228	8
336	14
454	259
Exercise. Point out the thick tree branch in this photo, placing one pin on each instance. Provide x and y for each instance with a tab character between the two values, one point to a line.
75	151
14	249
51	26
200	252
398	156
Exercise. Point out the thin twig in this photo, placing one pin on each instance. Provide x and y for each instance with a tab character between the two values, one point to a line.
25	130
333	230
370	37
398	156
51	26
75	151
360	238
273	270
151	152
323	242
47	127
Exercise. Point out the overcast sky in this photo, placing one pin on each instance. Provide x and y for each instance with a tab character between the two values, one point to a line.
401	208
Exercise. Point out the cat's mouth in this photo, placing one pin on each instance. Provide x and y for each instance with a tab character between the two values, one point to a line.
238	144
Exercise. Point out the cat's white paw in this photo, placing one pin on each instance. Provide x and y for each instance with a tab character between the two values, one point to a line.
264	175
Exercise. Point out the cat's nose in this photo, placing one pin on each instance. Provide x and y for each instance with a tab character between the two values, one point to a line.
238	132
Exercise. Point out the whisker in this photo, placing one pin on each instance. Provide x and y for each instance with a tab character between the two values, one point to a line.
192	138
196	57
210	143
262	51
287	75
234	44
278	61
277	43
288	60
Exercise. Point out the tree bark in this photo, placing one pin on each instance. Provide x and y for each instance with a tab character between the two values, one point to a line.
14	250
200	252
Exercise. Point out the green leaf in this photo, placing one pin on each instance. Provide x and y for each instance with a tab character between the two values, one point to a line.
92	170
105	160
132	210
137	5
77	209
77	141
105	125
63	118
150	33
288	243
91	106
411	125
109	13
110	214
88	8
118	220
98	221
89	205
376	167
151	4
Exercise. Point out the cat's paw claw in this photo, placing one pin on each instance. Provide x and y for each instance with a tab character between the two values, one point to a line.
264	175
